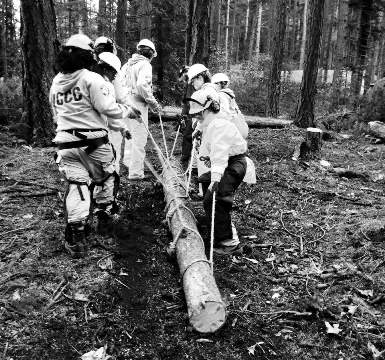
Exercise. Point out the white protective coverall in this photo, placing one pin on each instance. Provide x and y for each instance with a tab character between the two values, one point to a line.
79	100
115	126
137	73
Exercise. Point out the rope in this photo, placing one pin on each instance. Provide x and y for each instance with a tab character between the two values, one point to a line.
185	226
176	138
212	233
163	134
153	171
194	262
162	158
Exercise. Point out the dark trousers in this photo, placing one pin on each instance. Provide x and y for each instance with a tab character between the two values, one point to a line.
187	140
231	179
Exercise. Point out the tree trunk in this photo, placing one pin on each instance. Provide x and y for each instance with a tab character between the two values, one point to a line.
293	43
305	110
84	18
233	33
40	47
340	51
145	12
120	32
227	35
362	46
206	310
304	32
327	37
198	32
247	18
102	17
274	85
259	27
254	19
214	24
3	41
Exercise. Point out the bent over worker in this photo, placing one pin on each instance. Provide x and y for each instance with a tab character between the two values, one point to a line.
223	150
79	98
137	73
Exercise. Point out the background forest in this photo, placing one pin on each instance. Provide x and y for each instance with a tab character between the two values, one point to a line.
253	40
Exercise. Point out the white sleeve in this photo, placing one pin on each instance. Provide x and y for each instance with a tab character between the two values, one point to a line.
224	102
121	91
103	100
220	138
144	85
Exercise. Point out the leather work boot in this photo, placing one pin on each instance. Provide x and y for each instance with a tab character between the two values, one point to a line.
75	240
104	223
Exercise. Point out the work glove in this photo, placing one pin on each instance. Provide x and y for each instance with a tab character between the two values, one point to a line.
213	187
157	109
215	179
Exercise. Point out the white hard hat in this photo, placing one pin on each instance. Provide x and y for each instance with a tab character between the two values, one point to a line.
105	40
111	59
80	41
148	43
202	99
220	77
195	70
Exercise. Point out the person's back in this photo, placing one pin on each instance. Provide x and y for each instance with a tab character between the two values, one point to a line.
137	78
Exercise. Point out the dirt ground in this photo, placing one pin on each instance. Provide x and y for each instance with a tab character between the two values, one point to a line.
309	285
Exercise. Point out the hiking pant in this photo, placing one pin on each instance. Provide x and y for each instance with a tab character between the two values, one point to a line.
81	169
230	181
134	149
187	140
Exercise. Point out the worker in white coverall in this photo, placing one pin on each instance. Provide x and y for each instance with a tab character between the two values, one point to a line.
228	103
223	150
137	73
104	44
79	98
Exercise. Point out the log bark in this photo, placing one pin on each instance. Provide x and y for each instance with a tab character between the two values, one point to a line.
206	310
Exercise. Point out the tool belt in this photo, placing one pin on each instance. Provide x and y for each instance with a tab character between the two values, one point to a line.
90	144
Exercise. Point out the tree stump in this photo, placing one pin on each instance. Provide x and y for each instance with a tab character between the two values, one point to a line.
312	144
206	310
377	129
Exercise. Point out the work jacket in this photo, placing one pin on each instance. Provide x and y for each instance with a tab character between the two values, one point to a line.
220	140
137	78
80	99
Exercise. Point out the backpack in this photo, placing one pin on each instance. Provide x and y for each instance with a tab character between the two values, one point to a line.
237	117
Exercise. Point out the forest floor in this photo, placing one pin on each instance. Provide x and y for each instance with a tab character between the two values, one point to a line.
309	285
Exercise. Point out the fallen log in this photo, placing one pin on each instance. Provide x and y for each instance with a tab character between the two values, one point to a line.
170	113
266	122
206	310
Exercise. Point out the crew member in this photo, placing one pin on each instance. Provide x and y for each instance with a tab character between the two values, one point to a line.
79	99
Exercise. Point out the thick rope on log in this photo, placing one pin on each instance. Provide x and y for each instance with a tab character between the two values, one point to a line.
206	310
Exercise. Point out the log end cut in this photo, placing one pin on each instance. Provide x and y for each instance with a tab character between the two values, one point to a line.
211	317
